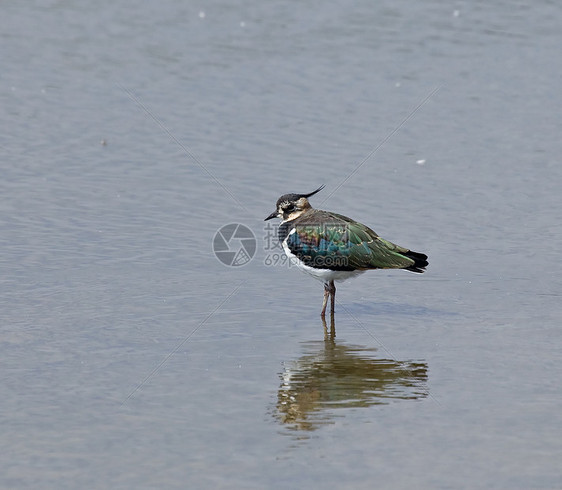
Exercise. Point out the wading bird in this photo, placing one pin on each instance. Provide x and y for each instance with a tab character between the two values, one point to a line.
331	247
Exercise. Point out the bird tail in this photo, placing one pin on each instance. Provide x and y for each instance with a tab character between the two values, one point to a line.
420	261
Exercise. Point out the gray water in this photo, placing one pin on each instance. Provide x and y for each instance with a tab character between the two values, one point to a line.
131	357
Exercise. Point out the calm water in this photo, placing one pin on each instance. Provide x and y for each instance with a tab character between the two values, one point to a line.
133	358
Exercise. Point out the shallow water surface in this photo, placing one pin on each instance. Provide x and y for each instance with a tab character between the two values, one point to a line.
132	357
331	375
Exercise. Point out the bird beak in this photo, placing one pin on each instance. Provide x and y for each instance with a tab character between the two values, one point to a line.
271	216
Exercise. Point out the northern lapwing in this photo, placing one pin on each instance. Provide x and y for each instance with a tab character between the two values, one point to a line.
331	247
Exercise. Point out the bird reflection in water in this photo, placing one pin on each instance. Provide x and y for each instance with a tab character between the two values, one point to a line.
331	376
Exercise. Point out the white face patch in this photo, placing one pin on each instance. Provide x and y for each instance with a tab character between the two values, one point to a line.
293	215
290	210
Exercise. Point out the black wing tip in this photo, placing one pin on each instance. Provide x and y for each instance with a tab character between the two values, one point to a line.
420	261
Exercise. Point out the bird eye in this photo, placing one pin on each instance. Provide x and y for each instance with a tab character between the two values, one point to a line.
288	208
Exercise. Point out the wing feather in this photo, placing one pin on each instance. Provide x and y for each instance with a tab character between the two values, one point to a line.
332	241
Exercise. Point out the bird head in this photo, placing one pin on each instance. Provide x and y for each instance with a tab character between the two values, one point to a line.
291	206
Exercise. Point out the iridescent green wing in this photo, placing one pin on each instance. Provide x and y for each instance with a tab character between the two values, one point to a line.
322	244
334	241
367	250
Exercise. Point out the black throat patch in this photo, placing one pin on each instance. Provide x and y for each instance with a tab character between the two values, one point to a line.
283	231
